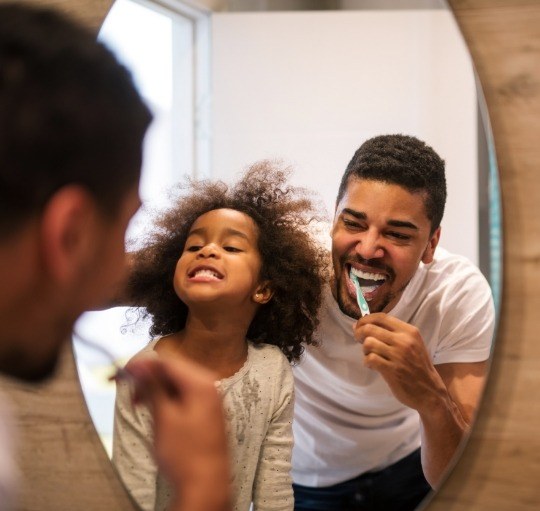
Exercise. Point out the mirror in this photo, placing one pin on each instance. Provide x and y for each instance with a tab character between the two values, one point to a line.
404	91
62	461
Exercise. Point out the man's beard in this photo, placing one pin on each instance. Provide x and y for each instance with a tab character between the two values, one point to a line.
344	299
15	363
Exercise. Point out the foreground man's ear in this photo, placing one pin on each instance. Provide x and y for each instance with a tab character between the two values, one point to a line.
68	224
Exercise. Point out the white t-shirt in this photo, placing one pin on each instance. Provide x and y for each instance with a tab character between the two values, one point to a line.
347	421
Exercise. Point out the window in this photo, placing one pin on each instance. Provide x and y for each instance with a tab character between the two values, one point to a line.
166	46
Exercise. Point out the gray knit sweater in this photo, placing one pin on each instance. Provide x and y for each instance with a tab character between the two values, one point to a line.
258	402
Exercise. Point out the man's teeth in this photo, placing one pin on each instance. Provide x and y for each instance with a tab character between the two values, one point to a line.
367	276
206	273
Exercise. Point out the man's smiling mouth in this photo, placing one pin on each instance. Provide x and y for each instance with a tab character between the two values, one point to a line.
369	281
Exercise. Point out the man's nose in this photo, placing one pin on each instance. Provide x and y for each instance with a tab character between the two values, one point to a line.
368	245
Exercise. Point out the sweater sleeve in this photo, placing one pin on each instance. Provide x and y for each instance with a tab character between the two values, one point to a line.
133	447
272	490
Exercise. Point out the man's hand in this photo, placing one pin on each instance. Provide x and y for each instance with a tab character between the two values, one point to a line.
446	397
189	429
396	350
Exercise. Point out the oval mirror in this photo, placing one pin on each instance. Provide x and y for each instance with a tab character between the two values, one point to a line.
234	86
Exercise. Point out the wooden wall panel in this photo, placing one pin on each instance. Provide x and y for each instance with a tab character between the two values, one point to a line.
62	459
500	466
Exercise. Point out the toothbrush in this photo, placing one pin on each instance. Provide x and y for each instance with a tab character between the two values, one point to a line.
119	372
364	307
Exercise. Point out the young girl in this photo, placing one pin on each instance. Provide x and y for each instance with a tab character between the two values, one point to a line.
231	279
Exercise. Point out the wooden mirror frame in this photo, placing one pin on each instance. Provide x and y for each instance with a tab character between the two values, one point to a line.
63	463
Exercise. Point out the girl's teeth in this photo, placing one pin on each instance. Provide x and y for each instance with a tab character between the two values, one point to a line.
206	273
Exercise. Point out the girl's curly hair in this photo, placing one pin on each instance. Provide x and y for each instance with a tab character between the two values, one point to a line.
291	259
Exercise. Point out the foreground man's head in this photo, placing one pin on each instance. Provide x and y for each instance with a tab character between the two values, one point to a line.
71	131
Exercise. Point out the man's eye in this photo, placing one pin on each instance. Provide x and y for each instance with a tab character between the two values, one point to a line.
399	236
231	249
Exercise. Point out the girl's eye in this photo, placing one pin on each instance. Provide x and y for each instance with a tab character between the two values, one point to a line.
231	249
193	248
351	224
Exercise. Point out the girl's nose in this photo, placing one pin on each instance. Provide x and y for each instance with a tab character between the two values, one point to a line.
210	250
368	246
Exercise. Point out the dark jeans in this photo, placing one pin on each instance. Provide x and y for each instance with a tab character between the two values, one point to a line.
399	487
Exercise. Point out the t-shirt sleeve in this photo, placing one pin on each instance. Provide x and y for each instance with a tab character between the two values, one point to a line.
272	490
133	447
468	321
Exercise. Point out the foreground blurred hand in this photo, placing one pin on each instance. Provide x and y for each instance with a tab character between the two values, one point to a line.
190	441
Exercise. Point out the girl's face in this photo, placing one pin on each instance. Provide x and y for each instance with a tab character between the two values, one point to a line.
221	261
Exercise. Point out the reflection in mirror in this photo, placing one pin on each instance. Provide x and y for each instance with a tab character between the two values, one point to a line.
307	88
170	68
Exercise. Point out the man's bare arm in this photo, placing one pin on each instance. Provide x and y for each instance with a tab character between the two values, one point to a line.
446	397
446	421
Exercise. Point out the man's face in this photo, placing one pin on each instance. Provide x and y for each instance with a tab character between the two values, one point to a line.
381	233
106	270
95	274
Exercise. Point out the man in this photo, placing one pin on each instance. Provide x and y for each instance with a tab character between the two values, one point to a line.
71	132
409	374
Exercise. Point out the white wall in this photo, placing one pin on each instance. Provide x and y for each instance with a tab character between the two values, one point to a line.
310	87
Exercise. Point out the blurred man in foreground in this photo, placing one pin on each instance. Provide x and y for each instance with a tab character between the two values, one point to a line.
71	132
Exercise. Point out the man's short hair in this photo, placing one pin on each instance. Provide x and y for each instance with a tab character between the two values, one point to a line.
405	161
69	113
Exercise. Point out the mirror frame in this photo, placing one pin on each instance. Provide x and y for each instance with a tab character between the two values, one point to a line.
63	463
